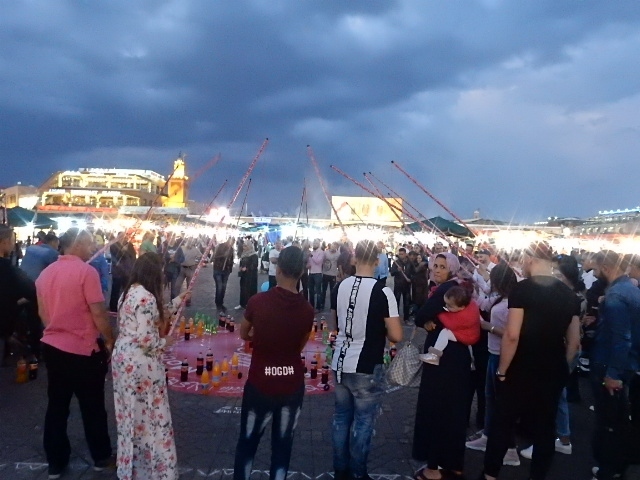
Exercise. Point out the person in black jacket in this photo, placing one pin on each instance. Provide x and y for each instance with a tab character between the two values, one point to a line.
15	289
123	256
402	270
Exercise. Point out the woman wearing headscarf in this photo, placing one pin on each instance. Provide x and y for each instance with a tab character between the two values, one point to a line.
248	273
443	399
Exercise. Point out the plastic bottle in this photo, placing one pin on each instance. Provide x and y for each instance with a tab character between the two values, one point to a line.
314	368
216	375
204	382
209	360
393	351
386	359
184	371
200	328
199	364
187	332
303	361
318	357
182	325
224	369
235	361
315	325
231	325
325	333
324	379
328	354
222	320
33	369
21	371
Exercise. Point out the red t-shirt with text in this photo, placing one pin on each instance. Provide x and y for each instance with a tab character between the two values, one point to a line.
281	320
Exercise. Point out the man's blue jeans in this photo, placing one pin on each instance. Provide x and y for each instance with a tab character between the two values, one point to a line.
357	403
258	410
221	279
315	289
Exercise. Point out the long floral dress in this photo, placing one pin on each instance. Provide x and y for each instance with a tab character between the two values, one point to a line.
146	446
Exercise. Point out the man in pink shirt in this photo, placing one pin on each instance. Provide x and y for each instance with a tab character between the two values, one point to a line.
71	305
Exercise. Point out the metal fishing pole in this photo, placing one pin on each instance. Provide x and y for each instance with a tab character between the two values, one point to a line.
196	273
395	164
324	188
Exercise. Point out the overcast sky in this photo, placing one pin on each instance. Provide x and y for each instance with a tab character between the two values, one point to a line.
523	109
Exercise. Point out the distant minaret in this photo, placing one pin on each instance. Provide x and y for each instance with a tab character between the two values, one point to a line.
476	214
178	194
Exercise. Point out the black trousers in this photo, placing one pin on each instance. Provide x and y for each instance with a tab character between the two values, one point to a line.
82	376
403	290
117	284
612	439
516	398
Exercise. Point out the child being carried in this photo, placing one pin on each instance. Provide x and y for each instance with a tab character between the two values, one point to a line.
461	321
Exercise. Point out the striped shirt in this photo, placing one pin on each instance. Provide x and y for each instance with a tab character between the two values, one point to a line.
362	336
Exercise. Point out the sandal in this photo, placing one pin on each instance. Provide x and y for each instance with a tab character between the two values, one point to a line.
421	475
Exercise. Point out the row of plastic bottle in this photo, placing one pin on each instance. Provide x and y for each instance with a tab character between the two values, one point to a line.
204	323
210	371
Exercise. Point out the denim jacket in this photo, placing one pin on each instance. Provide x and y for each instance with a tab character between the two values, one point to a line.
617	339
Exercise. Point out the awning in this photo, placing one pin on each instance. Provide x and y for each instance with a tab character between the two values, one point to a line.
21	217
446	226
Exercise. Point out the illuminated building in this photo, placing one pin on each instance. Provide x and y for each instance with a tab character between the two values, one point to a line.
109	189
25	196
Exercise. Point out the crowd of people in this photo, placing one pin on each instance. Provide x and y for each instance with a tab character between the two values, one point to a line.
512	328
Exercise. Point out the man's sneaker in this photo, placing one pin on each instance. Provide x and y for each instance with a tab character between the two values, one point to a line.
527	452
479	444
511	458
595	471
56	472
431	358
563	448
106	464
238	307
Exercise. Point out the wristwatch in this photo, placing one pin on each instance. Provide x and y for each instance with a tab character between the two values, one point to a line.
500	375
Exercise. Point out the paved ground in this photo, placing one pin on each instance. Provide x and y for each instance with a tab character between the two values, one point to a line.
207	429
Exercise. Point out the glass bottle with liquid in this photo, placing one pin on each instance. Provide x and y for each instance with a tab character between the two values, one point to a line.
209	362
199	364
184	371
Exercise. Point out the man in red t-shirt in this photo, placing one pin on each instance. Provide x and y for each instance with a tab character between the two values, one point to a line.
278	322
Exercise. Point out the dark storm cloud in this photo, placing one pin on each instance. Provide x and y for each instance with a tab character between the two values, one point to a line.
484	92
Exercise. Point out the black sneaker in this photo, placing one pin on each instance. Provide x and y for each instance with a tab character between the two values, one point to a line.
108	463
56	472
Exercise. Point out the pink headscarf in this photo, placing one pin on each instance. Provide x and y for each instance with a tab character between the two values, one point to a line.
453	264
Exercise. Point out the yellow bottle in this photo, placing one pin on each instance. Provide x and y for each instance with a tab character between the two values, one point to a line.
182	324
204	382
200	328
22	375
224	369
234	364
216	375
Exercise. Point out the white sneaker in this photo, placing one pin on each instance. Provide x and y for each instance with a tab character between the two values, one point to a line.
511	458
562	448
479	444
238	307
527	453
430	358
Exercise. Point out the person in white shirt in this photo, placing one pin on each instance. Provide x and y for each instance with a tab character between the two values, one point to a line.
273	261
315	263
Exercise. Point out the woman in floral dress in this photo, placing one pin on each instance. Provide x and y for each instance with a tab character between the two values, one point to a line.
146	447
